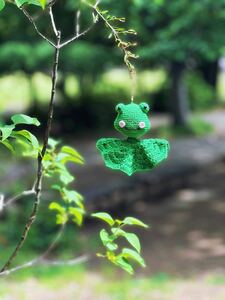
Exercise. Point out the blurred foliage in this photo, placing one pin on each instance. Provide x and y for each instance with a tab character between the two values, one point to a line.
195	127
183	31
202	95
180	30
221	88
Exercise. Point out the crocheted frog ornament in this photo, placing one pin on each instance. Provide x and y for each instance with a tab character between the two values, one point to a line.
132	155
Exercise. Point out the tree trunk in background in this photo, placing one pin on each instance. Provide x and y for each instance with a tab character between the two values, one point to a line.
210	72
179	102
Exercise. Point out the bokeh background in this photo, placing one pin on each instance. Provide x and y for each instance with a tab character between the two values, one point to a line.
181	74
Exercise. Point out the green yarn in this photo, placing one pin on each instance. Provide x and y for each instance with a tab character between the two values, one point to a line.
132	114
132	155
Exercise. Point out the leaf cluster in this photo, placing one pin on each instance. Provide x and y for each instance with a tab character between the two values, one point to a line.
10	135
20	3
55	162
117	32
124	257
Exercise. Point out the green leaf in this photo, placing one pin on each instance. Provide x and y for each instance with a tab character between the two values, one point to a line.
106	240
55	205
61	216
72	196
7	144
2	4
104	237
77	214
133	240
24	119
29	136
66	177
129	253
6	131
52	143
56	187
111	246
105	217
19	3
134	221
73	152
61	219
130	237
64	158
124	264
43	3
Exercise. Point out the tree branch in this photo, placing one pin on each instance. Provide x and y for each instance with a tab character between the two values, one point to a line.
15	198
39	177
77	28
38	185
76	36
35	27
53	21
42	258
46	262
54	242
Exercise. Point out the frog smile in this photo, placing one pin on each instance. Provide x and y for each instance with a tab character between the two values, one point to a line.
132	129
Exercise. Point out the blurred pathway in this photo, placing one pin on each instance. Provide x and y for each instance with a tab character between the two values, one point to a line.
217	119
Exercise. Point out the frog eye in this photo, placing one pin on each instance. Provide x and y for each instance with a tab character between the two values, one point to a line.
141	125
122	124
145	107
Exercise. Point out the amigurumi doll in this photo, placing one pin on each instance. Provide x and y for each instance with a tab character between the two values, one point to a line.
132	155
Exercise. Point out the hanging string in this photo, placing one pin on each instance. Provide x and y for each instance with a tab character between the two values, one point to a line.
132	72
133	77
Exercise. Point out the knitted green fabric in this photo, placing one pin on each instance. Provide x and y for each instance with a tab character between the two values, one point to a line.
132	155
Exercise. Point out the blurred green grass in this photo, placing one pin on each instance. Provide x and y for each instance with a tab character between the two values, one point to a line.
106	282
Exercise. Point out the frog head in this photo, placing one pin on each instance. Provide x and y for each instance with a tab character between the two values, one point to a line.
132	119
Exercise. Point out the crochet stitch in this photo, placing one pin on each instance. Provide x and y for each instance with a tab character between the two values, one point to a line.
132	155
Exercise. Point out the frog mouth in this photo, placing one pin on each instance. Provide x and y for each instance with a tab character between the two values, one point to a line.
132	129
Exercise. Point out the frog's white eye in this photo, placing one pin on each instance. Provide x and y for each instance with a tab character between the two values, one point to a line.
122	124
141	125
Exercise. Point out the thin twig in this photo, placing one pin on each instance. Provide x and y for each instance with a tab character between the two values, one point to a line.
121	45
76	36
53	21
54	242
51	3
77	22
35	26
38	185
41	260
17	197
45	262
97	3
